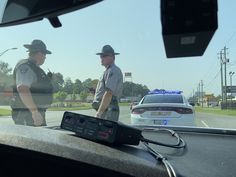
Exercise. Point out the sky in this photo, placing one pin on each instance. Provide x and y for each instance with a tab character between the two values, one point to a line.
132	28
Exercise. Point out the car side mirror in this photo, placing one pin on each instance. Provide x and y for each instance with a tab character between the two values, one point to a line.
133	104
192	104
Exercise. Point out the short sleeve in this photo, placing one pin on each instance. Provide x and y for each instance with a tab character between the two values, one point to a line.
25	75
112	80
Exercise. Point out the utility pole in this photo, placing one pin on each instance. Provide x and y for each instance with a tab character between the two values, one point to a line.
202	92
225	62
199	93
222	80
231	75
193	97
128	76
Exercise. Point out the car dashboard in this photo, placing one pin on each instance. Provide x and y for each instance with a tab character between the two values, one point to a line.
54	152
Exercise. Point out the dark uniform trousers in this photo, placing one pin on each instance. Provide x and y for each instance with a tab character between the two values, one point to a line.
112	112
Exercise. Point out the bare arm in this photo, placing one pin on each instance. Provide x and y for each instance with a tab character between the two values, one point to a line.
27	99
106	100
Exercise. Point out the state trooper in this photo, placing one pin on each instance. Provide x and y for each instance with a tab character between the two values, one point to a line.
32	89
109	87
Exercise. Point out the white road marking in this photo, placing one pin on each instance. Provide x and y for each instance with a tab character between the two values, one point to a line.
204	123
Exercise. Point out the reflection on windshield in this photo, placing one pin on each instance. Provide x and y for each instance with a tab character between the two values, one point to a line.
2	7
21	11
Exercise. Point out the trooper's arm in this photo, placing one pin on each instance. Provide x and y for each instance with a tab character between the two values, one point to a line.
27	99
106	100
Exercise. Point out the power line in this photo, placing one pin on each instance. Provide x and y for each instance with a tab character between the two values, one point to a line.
230	38
232	43
213	65
215	77
214	84
232	63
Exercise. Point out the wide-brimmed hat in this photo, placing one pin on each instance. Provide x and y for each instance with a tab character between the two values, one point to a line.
37	45
107	50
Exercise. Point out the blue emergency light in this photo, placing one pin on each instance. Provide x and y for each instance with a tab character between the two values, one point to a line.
162	91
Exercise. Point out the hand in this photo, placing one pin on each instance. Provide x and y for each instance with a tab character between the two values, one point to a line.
37	118
50	75
98	115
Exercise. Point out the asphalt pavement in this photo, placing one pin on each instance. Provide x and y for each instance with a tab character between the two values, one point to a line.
215	120
202	119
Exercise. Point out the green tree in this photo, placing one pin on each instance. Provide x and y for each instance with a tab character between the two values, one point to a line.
83	96
73	96
218	98
68	86
127	89
60	96
4	68
132	89
94	83
87	84
78	86
93	87
145	90
6	82
57	81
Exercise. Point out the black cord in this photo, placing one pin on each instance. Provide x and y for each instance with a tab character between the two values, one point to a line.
180	142
169	168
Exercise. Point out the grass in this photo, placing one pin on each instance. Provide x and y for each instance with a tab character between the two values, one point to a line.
69	108
5	112
216	111
124	104
82	106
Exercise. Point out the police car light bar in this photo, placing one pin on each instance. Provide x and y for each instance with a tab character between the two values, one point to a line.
162	91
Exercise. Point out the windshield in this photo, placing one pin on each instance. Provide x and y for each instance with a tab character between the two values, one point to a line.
162	99
114	49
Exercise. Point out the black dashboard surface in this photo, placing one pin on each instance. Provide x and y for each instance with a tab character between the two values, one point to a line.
208	153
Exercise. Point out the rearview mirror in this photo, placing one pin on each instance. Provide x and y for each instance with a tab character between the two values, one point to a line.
14	12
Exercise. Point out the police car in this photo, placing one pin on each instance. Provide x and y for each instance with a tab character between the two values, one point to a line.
163	107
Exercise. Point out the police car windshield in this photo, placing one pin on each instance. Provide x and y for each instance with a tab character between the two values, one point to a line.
74	70
162	98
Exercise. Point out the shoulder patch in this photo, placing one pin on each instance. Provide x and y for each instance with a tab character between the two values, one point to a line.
110	74
24	70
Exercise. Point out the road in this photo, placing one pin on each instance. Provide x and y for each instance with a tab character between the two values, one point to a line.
215	121
54	117
202	119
